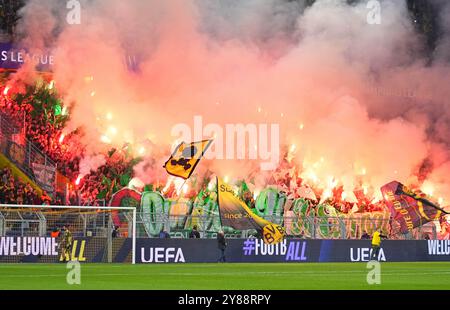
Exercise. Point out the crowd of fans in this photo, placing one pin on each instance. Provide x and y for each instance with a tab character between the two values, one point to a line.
32	113
33	110
14	191
293	186
99	185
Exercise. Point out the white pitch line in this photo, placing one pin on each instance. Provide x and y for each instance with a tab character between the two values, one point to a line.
225	274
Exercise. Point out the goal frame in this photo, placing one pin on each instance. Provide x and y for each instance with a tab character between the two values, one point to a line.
133	209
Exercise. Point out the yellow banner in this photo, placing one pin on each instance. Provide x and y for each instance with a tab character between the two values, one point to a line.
235	213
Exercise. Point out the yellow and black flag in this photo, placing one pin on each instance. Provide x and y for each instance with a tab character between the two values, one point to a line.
235	213
185	158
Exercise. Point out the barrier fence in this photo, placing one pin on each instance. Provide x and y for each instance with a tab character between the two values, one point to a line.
251	250
86	224
26	156
105	235
306	227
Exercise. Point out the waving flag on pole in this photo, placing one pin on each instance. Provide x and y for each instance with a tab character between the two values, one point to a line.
235	213
185	158
408	208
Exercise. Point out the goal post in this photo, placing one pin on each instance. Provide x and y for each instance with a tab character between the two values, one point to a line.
43	233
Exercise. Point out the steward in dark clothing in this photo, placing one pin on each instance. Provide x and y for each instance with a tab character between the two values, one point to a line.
194	233
222	244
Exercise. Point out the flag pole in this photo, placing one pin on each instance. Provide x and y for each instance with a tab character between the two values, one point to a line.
431	204
181	190
218	204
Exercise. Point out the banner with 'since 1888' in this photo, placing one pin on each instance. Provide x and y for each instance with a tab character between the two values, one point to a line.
235	213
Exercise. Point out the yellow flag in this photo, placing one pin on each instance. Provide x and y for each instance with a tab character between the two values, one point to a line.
185	158
235	213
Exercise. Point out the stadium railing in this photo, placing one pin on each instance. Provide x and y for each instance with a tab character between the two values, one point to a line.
310	227
89	222
24	154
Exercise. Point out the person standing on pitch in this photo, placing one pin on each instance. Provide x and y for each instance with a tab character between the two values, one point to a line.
66	245
376	242
222	244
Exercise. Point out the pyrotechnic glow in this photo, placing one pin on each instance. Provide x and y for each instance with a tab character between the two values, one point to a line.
259	109
313	177
256	194
226	179
363	171
328	193
427	188
365	189
175	144
293	147
141	150
112	130
109	116
301	126
136	183
6	90
51	84
211	185
291	153
168	183
92	93
332	182
78	180
178	182
61	138
105	139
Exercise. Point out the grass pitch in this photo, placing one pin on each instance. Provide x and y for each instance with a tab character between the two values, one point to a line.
233	276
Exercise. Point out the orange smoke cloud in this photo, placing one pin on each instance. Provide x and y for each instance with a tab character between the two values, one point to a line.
359	96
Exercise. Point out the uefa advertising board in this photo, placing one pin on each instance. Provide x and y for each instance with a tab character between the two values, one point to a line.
149	250
289	250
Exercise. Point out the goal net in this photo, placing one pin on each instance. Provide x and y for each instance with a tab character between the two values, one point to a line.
31	233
